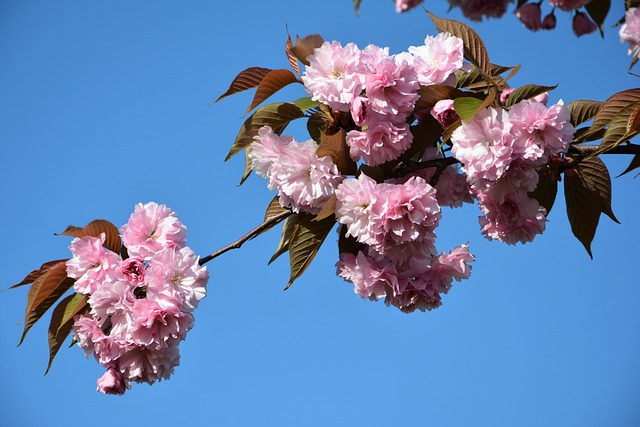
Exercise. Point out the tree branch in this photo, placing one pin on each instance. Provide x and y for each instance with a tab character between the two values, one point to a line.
268	223
585	150
441	164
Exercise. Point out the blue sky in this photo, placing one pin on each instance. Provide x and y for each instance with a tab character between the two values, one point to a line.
106	104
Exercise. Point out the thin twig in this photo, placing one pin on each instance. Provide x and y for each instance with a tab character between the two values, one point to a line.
441	163
270	222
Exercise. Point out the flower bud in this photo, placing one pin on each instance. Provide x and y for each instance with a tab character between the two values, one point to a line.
444	113
549	22
583	25
530	16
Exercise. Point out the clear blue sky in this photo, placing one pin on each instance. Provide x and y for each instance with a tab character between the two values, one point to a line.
106	104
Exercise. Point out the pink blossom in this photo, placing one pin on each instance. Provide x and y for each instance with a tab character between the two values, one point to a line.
334	75
517	219
530	15
141	364
111	382
91	264
452	189
405	5
505	94
359	206
372	279
269	147
379	141
151	228
477	9
582	24
484	146
112	305
444	113
133	269
157	327
438	59
568	5
92	339
630	31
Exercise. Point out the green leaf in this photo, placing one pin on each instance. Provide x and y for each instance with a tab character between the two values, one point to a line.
62	322
547	189
335	146
305	47
270	84
635	164
306	243
526	92
430	95
247	79
44	292
356	4
598	11
467	107
306	103
94	229
474	48
583	110
31	277
277	115
621	128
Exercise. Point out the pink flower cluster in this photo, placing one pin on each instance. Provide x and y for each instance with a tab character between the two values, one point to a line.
141	305
379	90
304	181
501	152
530	14
630	31
395	225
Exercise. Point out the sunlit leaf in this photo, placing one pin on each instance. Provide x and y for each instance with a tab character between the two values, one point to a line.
44	292
328	209
612	106
31	277
293	61
305	47
306	243
336	147
619	130
270	84
94	229
277	115
526	92
467	107
62	322
306	103
583	110
474	48
247	79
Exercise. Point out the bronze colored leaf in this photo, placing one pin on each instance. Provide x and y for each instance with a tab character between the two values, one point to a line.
595	175
598	11
619	129
474	80
425	135
305	47
430	95
356	4
94	229
247	79
306	243
270	84
293	61
274	209
348	245
526	92
612	106
247	166
62	322
277	115
289	230
328	209
547	189
635	164
316	126
335	146
44	292
31	277
585	134
583	110
474	48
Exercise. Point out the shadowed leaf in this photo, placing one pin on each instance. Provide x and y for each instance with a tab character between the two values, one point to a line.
306	243
94	229
526	92
425	134
474	48
305	47
547	189
289	229
335	146
350	244
430	95
274	209
247	79
598	11
596	175
583	110
315	126
270	84
293	61
31	277
278	116
62	322
44	292
247	166
356	4
635	164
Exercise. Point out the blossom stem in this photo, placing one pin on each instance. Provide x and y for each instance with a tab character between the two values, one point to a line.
441	164
268	223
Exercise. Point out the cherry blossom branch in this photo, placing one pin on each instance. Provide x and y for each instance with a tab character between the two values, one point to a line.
268	223
409	167
585	150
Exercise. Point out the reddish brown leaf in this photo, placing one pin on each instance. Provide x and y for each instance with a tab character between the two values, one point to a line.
336	147
274	209
348	245
547	189
305	47
247	79
94	229
583	110
431	94
270	84
595	175
620	128
635	164
44	292
328	209
612	106
62	322
290	56
526	92
31	277
289	230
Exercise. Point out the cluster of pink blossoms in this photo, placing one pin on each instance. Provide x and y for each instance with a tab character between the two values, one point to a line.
501	152
141	305
630	31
